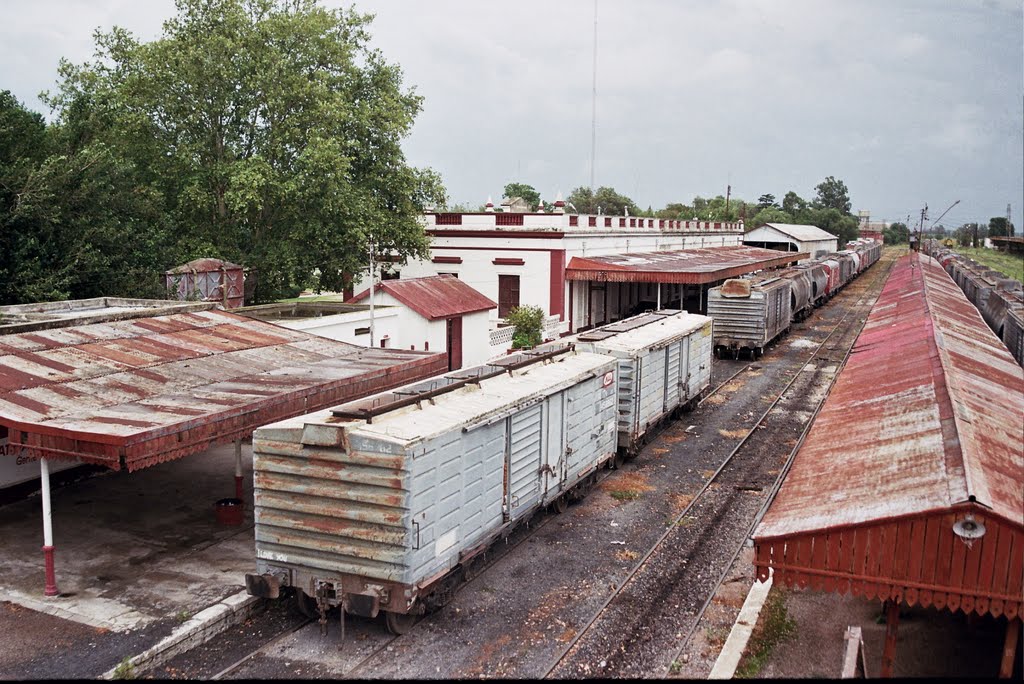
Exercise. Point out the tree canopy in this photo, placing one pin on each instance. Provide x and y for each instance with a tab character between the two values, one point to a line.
604	200
524	191
264	132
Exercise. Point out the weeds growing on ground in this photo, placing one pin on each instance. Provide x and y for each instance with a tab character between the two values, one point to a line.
773	627
124	669
624	494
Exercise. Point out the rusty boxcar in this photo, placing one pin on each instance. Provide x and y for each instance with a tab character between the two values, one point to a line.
380	505
749	313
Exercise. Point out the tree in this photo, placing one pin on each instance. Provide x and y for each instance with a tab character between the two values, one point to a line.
271	130
832	194
794	205
766	201
896	234
526	192
998	226
770	215
605	201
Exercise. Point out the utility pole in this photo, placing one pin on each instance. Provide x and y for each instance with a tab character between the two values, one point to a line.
728	190
1009	229
371	292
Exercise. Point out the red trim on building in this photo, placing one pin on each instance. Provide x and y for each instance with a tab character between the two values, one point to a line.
447	260
556	305
507	261
537	235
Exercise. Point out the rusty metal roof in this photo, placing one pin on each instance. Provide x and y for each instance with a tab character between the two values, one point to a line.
131	393
689	266
204	265
926	415
434	297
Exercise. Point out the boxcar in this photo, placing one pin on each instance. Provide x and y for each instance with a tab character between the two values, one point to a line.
834	272
749	313
379	505
664	362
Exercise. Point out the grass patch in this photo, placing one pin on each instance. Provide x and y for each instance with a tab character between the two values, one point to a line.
124	669
1010	264
624	494
773	627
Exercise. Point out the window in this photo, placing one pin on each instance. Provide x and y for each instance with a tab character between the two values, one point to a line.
508	294
362	331
451	274
390	275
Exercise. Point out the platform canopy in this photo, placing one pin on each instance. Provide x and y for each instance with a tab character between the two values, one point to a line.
686	266
132	393
910	484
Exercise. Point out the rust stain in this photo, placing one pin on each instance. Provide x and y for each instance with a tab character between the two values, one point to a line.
733	434
627	481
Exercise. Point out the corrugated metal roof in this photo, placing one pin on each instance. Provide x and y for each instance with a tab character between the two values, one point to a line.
690	266
137	392
433	297
802	232
204	265
927	414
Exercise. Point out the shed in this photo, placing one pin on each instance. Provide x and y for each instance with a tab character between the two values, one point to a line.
792	237
924	424
207	280
439	313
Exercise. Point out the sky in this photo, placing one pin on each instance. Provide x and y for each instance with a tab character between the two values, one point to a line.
911	103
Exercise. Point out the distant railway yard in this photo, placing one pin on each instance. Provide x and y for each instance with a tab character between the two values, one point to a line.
617	584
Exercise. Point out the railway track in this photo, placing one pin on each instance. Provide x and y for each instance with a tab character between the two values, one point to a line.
639	630
654	610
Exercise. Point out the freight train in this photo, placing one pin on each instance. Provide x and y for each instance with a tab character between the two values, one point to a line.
998	297
386	504
750	313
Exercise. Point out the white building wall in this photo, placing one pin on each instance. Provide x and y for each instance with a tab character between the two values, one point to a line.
476	348
343	326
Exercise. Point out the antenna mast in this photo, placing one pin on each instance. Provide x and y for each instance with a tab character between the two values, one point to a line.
593	108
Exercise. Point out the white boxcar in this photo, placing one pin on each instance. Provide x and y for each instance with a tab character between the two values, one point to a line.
383	512
664	362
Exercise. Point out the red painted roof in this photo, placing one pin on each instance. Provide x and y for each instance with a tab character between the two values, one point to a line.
927	414
132	393
434	297
689	266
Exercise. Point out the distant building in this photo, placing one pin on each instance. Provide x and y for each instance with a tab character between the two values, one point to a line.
792	237
520	258
871	229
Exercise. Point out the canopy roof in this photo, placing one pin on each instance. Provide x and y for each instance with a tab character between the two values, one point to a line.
131	393
922	428
688	266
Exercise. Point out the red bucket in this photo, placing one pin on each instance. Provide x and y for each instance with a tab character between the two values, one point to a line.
229	511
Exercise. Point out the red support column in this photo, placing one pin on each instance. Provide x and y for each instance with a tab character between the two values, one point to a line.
51	575
1010	648
892	620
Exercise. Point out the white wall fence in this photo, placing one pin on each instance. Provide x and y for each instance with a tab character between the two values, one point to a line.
501	338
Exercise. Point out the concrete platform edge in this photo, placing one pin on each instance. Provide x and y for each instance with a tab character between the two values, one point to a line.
198	629
736	643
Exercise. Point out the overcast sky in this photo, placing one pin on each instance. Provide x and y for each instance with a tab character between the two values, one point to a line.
909	102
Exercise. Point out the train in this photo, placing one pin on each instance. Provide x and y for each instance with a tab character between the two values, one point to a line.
386	504
750	313
998	297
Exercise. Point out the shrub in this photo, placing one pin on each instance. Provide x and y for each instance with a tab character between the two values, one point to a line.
528	322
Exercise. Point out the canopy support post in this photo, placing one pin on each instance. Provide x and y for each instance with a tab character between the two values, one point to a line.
51	576
238	469
1010	648
892	620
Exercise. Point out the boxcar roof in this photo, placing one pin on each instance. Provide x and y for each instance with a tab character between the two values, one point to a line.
664	329
927	414
130	393
472	404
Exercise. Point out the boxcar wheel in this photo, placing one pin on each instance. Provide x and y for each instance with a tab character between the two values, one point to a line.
399	623
307	605
561	503
618	459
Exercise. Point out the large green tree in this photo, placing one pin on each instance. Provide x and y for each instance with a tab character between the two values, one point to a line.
523	191
605	199
271	131
832	194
